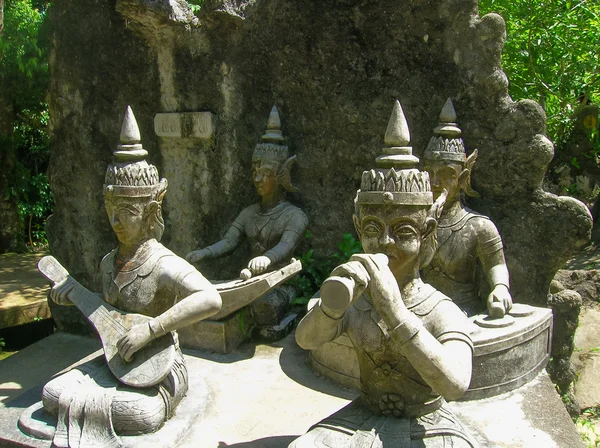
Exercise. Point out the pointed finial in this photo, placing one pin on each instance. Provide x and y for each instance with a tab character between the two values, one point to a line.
397	133
130	148
448	114
273	133
447	126
130	132
396	152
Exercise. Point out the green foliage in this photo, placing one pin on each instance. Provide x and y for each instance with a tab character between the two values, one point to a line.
551	55
195	5
315	271
586	426
24	142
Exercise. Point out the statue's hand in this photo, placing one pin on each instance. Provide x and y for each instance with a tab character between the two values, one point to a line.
499	302
60	292
196	255
258	265
135	339
335	300
383	288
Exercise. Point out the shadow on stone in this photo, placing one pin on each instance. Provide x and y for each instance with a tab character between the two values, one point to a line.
267	442
289	359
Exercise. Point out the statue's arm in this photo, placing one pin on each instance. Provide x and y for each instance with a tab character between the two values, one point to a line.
445	366
319	327
232	239
491	254
200	300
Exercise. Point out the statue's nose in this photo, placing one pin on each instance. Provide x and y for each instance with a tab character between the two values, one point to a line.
386	239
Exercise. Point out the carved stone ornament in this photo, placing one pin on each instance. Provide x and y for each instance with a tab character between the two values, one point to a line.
398	325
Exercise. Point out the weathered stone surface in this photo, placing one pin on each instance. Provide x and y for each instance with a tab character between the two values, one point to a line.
586	358
332	68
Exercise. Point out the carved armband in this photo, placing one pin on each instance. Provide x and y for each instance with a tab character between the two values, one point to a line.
407	329
156	328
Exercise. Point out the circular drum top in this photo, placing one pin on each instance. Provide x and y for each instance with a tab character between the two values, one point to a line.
521	310
486	321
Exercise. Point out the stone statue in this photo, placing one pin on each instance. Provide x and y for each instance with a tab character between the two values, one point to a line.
412	341
466	240
139	276
273	226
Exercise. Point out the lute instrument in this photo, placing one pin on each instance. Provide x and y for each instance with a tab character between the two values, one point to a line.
148	366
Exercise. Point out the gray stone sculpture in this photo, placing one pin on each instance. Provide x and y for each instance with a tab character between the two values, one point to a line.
467	241
273	226
412	341
140	276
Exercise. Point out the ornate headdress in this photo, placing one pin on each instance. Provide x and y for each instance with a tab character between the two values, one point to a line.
447	143
396	181
272	151
129	175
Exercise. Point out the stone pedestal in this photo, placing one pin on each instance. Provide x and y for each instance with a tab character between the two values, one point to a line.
265	396
508	352
220	336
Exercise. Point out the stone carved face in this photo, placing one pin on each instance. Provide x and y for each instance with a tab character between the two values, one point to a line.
397	231
264	176
445	175
127	218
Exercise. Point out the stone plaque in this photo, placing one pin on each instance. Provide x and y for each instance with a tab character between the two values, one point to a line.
185	124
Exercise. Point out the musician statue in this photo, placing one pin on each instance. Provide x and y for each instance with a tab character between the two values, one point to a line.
139	276
412	341
273	226
467	241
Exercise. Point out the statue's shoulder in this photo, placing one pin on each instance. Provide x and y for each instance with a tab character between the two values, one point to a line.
248	213
439	313
483	226
108	261
294	214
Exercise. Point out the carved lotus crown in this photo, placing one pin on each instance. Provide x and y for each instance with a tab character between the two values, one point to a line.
396	181
271	149
446	144
130	174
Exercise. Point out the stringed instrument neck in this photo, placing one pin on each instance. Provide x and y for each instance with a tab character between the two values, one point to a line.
89	303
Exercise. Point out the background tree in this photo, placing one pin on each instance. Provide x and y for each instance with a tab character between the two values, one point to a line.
551	55
25	198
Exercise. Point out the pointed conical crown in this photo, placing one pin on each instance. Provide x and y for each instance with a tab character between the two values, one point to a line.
446	143
271	149
130	174
396	181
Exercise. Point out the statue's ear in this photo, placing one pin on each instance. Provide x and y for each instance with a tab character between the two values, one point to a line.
438	206
356	222
430	227
284	175
151	209
471	159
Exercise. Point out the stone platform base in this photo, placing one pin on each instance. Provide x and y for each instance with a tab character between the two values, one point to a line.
264	396
220	336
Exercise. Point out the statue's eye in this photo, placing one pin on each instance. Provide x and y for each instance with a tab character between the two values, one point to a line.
404	231
371	229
